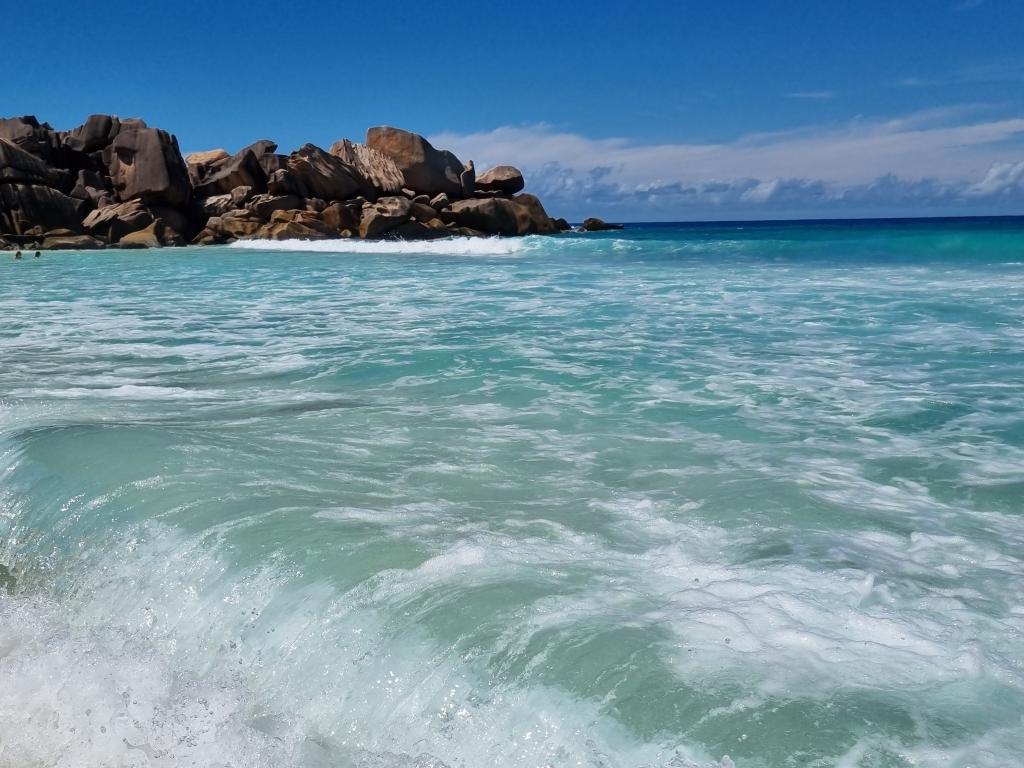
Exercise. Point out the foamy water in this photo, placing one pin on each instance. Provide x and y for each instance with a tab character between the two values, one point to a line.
454	246
663	497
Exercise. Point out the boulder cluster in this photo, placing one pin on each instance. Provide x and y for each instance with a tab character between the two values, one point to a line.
115	182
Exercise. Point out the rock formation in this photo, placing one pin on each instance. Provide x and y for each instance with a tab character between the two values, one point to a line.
501	178
424	168
597	225
119	182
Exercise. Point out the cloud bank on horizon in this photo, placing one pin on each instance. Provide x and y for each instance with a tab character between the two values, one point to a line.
933	162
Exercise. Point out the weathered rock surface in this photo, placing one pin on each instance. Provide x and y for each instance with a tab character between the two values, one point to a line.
293	225
146	165
321	174
539	221
425	169
376	168
523	215
501	178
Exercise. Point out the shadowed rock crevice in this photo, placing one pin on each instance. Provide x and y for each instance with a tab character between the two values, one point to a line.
119	182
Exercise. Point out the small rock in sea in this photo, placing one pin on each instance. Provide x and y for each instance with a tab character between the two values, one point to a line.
597	225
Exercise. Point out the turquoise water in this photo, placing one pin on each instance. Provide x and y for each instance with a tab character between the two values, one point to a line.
709	496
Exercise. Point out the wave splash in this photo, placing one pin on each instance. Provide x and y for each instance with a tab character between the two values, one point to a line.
455	246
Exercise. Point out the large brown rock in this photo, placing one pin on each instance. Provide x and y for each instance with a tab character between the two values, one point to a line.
146	165
70	242
501	178
199	164
24	207
540	222
296	225
384	215
112	223
425	169
322	175
523	215
231	226
379	170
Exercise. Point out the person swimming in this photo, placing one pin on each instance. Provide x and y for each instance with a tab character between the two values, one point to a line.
17	256
37	255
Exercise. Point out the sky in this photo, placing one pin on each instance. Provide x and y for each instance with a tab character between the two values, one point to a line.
653	111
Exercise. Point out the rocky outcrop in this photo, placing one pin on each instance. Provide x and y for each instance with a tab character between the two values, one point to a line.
597	225
116	182
424	169
501	178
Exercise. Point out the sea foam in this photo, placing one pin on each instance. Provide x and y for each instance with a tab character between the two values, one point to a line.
454	246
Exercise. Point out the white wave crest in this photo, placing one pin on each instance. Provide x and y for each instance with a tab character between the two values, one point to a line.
453	246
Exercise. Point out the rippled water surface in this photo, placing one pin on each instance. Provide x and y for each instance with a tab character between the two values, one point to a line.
666	497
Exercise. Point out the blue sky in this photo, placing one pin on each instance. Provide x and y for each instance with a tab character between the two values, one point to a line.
654	110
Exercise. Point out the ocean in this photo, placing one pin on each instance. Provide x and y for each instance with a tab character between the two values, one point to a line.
715	495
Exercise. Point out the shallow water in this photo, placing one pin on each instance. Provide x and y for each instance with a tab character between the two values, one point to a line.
699	496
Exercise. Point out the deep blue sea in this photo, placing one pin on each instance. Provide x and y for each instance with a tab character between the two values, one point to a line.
721	495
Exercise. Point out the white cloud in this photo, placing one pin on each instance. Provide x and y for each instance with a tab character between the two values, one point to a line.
922	161
1001	179
1010	71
